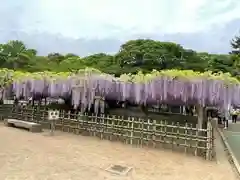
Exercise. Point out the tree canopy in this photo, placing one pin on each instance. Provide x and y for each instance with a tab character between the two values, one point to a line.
133	56
235	43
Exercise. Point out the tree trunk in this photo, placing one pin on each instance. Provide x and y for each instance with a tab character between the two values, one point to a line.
15	65
201	112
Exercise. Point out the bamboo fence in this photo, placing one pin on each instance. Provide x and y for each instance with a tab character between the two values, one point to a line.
135	131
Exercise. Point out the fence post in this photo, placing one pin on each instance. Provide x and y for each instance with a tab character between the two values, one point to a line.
209	137
94	125
154	133
148	130
172	139
102	120
22	113
69	118
161	130
196	144
186	135
165	132
113	128
178	134
212	142
132	130
32	115
142	132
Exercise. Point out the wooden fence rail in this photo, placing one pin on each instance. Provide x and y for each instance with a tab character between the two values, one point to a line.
134	131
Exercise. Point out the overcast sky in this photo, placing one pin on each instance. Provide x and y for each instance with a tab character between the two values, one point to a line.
91	26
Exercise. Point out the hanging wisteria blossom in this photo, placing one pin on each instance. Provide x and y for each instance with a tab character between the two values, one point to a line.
169	86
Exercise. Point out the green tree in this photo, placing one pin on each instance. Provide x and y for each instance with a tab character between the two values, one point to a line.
57	57
235	65
223	63
195	61
235	44
72	63
148	54
103	62
41	63
15	55
134	55
70	55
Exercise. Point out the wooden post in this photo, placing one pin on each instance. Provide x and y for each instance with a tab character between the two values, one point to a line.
172	139
138	134
196	144
165	132
22	113
201	118
200	111
52	128
132	130
102	120
209	141
32	114
184	110
148	130
154	133
142	132
93	125
161	129
62	119
178	134
186	135
191	135
69	118
112	128
212	142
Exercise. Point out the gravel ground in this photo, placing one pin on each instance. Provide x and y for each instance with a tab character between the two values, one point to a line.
28	156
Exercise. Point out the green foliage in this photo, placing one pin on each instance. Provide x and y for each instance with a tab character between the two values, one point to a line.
135	55
81	76
235	43
148	54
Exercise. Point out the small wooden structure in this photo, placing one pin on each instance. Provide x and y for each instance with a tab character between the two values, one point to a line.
31	126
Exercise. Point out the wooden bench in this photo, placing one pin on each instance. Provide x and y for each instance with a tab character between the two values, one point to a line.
31	126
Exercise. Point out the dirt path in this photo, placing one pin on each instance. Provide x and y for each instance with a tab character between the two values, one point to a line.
27	156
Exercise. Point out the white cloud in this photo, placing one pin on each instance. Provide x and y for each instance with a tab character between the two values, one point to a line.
93	18
121	18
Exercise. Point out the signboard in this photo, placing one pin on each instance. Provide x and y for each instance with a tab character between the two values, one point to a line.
23	103
8	101
53	114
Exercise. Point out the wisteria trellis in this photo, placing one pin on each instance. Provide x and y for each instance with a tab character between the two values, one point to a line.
170	87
